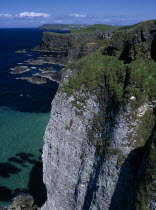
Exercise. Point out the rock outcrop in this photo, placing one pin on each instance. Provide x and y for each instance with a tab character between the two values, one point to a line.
22	202
99	145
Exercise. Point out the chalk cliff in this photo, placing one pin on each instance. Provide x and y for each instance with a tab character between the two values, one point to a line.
99	145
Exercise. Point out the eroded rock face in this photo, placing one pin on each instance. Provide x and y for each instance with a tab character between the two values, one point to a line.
75	174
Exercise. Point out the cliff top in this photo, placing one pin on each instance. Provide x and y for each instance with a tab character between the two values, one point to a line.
130	52
79	29
94	28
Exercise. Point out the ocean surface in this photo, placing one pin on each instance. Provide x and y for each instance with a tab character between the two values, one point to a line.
24	114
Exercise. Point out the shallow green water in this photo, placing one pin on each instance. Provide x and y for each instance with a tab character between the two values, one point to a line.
21	141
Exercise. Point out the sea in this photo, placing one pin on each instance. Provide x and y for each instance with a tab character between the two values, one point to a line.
24	114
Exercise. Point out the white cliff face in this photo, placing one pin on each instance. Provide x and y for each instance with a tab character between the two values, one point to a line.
76	177
66	147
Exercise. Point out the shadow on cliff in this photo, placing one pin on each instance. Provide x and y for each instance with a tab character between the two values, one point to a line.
125	191
131	173
92	185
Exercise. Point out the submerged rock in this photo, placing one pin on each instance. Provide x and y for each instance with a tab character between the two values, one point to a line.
34	80
54	76
35	62
21	51
20	69
49	69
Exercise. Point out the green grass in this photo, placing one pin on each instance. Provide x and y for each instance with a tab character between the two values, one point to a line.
145	129
92	72
86	29
56	34
95	70
93	28
143	76
144	25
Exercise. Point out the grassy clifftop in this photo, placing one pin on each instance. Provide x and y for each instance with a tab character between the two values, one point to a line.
93	28
78	28
127	62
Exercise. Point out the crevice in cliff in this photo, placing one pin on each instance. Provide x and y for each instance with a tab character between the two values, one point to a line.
92	186
125	191
102	128
127	77
79	181
125	53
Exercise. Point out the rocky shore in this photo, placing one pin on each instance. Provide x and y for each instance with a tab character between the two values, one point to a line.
22	202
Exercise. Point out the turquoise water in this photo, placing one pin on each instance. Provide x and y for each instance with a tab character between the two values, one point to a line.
21	141
24	114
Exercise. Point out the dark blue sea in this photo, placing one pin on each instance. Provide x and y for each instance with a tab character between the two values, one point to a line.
24	114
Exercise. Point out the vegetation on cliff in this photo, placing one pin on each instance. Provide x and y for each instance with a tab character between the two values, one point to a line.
123	71
95	68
